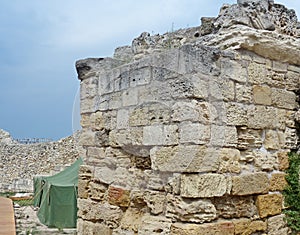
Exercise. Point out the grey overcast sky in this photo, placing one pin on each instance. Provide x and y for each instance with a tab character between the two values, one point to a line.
41	40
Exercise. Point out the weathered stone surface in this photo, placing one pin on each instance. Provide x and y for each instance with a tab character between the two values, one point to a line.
154	225
235	207
219	228
248	227
262	95
193	127
278	182
277	225
160	135
92	211
194	133
283	99
185	158
131	220
264	160
89	228
269	204
274	139
283	160
206	185
156	202
229	161
97	191
248	184
190	210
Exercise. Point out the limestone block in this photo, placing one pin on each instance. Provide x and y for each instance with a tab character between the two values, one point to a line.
264	160
291	138
87	105
105	174
243	93
223	136
82	188
185	111
120	231
118	196
96	152
200	186
85	120
90	210
150	114
103	102
139	76
229	161
130	97
106	82
283	160
130	137
156	202
269	204
279	67
257	73
194	133
283	99
189	158
200	84
102	137
218	228
249	138
293	80
190	210
233	70
278	182
160	135
97	191
277	225
130	221
98	120
236	114
115	100
274	139
87	138
248	184
260	117
123	119
154	225
90	228
262	95
89	87
222	89
229	207
249	227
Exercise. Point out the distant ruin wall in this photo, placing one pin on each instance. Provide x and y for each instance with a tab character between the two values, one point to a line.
20	162
188	133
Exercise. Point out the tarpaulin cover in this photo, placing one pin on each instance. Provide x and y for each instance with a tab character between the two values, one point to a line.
57	197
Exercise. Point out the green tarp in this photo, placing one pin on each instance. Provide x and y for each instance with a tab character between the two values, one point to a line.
56	197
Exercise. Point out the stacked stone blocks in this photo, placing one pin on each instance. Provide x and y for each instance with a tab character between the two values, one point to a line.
187	140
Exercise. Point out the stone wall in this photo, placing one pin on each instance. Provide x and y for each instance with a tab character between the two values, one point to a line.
20	162
188	132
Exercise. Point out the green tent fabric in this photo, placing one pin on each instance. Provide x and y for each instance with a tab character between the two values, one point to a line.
57	197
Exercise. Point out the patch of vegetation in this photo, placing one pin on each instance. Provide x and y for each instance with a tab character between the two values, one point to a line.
292	193
6	194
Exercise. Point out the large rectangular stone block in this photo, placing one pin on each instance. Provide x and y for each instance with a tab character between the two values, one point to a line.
218	228
204	185
248	184
283	99
160	135
192	158
269	204
229	207
194	133
249	227
190	210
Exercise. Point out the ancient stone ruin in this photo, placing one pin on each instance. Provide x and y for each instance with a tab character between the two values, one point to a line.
188	132
19	163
